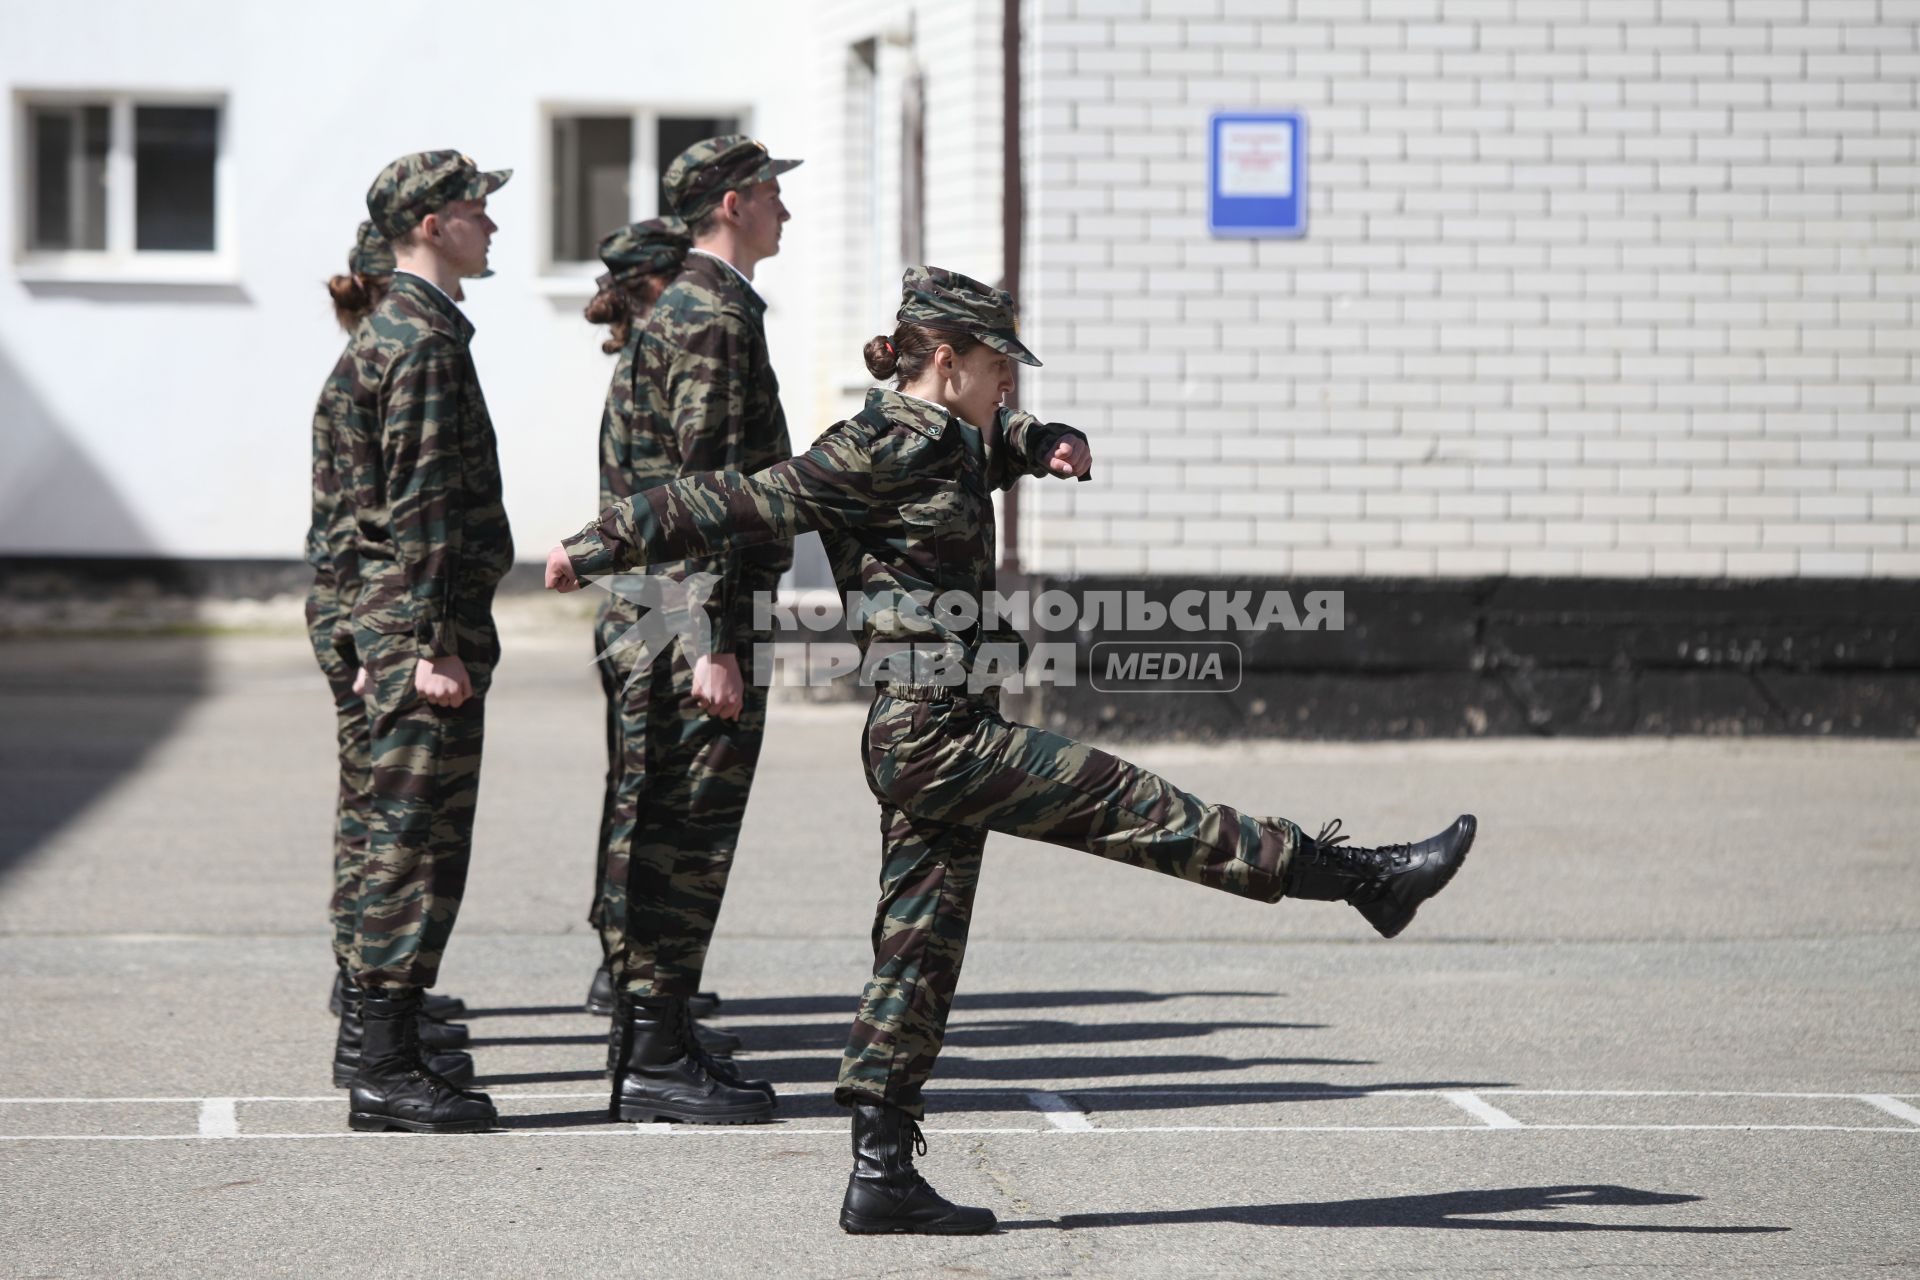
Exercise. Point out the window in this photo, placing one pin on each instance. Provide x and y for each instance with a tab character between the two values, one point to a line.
121	186
174	149
674	134
592	163
605	170
873	192
69	176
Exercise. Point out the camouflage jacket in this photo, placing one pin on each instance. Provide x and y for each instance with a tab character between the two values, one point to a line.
901	494
694	391
430	530
330	550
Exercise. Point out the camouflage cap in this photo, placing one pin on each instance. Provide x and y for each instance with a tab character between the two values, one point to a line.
704	173
946	300
414	186
372	255
654	247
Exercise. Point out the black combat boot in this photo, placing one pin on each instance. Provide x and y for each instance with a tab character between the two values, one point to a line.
450	1064
432	1003
600	999
395	1089
662	1073
434	1034
1386	884
438	1034
886	1195
718	1047
600	995
720	1044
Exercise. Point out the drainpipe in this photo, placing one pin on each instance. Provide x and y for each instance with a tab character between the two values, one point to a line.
1012	215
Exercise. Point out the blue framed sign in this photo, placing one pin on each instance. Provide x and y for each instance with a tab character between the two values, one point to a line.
1257	173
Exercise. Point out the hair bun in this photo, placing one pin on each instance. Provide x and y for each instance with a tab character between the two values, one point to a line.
882	359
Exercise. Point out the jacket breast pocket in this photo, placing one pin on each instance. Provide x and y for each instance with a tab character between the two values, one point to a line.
936	526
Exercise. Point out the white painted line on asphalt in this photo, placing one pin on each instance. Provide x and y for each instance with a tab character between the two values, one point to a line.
778	1130
1892	1106
30	1102
1060	1113
1717	1128
219	1118
652	1126
1166	1091
1670	1093
1480	1109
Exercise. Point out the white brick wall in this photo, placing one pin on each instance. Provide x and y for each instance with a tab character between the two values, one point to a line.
1591	287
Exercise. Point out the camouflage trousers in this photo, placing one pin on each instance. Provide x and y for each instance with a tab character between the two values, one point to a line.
948	772
677	786
333	647
425	783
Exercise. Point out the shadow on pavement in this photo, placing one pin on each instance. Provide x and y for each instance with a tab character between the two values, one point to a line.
75	722
803	1006
505	1042
558	1120
944	1107
495	1080
1033	1072
802	1037
1451	1210
77	716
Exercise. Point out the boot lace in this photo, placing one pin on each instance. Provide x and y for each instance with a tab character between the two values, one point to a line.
728	1074
914	1138
418	1066
1382	858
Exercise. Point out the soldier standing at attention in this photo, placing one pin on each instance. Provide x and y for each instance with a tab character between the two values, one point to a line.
433	543
641	260
330	550
695	392
902	496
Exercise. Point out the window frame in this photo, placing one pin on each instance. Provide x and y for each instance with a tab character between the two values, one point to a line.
121	262
569	278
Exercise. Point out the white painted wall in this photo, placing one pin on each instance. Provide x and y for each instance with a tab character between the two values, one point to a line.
1593	287
160	420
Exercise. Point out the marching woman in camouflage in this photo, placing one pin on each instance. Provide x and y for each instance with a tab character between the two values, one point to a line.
641	260
330	551
902	496
694	392
432	543
659	737
336	583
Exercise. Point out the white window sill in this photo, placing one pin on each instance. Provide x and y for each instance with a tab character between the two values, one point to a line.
197	270
555	285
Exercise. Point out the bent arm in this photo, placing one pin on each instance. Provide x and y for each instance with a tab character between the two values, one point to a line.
1025	446
828	487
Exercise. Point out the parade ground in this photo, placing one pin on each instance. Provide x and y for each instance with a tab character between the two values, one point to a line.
1665	1022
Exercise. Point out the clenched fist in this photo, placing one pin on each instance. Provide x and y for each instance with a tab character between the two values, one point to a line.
560	571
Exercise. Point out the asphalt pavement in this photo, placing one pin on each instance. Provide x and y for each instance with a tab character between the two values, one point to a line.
1667	1019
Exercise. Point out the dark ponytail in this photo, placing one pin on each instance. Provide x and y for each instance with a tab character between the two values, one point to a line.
617	305
611	307
904	356
354	296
